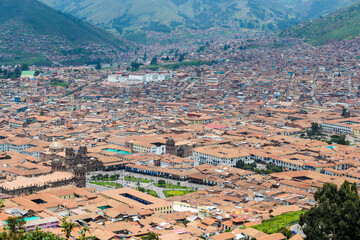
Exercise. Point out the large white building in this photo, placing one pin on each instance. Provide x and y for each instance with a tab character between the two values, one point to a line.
220	154
140	77
342	126
20	145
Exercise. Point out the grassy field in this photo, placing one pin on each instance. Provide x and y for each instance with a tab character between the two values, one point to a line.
134	179
105	184
274	224
25	58
59	84
174	193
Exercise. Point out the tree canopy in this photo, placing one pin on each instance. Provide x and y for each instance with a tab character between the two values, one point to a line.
336	216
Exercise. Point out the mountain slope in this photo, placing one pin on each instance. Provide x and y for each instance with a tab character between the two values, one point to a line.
127	14
341	25
30	27
48	21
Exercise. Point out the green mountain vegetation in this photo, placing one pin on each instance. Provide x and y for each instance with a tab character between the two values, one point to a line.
342	25
165	15
33	32
47	21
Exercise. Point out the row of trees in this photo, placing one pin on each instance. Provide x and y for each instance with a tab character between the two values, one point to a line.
270	168
100	176
315	132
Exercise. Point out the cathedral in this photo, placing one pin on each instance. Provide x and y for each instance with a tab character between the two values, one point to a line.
66	160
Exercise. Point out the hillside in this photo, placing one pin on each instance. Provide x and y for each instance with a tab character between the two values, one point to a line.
163	15
341	25
29	26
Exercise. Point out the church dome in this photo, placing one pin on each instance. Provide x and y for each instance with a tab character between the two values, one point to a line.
56	146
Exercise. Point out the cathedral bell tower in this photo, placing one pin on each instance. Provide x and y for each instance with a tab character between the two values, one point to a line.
83	151
69	153
80	175
170	146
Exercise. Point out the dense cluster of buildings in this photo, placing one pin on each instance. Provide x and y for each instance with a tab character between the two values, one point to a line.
256	132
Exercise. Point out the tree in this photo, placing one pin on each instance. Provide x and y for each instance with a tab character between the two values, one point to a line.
240	164
151	236
17	72
181	58
1	204
336	215
161	183
185	222
341	139
37	234
15	226
67	227
83	236
154	61
25	67
343	112
7	157
98	66
315	130
135	66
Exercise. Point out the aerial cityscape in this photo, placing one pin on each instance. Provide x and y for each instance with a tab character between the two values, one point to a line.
180	119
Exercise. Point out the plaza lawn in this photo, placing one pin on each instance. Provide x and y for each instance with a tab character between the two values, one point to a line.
172	186
105	184
134	179
274	224
174	193
151	192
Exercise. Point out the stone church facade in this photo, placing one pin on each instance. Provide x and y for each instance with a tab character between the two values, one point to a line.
66	160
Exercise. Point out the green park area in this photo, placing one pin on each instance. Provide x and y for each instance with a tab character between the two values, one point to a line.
275	224
151	192
163	184
174	193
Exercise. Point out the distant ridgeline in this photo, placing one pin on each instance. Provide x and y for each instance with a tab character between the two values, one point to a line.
165	15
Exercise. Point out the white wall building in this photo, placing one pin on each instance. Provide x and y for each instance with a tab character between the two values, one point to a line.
216	155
